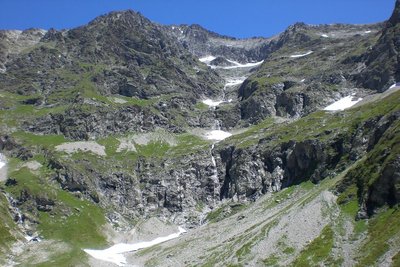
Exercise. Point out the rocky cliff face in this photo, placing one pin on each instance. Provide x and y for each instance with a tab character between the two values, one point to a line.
382	62
14	42
202	42
271	165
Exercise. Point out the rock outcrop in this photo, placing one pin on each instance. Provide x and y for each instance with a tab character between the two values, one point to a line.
382	62
202	42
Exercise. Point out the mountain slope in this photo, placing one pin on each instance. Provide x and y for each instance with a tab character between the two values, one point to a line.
77	73
308	67
107	135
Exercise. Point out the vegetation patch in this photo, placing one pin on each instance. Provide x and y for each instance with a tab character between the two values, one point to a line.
317	251
7	226
224	212
381	228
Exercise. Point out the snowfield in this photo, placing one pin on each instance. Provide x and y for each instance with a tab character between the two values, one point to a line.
238	65
230	82
302	55
394	85
234	82
3	168
115	255
2	161
207	59
212	103
217	135
343	103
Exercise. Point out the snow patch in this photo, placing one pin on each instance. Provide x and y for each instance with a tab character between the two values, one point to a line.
230	82
303	80
212	103
302	55
207	59
238	65
394	85
217	135
324	35
115	255
344	103
33	238
2	161
233	82
367	32
3	167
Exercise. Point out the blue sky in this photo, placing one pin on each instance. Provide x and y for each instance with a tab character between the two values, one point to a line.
239	18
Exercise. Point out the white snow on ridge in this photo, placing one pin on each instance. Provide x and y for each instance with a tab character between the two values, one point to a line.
367	32
302	55
342	104
217	135
115	255
324	35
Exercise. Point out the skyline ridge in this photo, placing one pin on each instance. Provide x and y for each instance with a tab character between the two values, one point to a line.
229	18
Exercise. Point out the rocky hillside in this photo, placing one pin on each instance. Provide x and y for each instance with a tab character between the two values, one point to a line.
202	42
78	71
382	62
117	132
309	67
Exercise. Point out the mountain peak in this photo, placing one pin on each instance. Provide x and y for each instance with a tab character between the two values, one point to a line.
395	18
127	17
298	26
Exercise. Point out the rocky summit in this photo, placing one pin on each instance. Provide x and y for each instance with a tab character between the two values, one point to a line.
124	142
